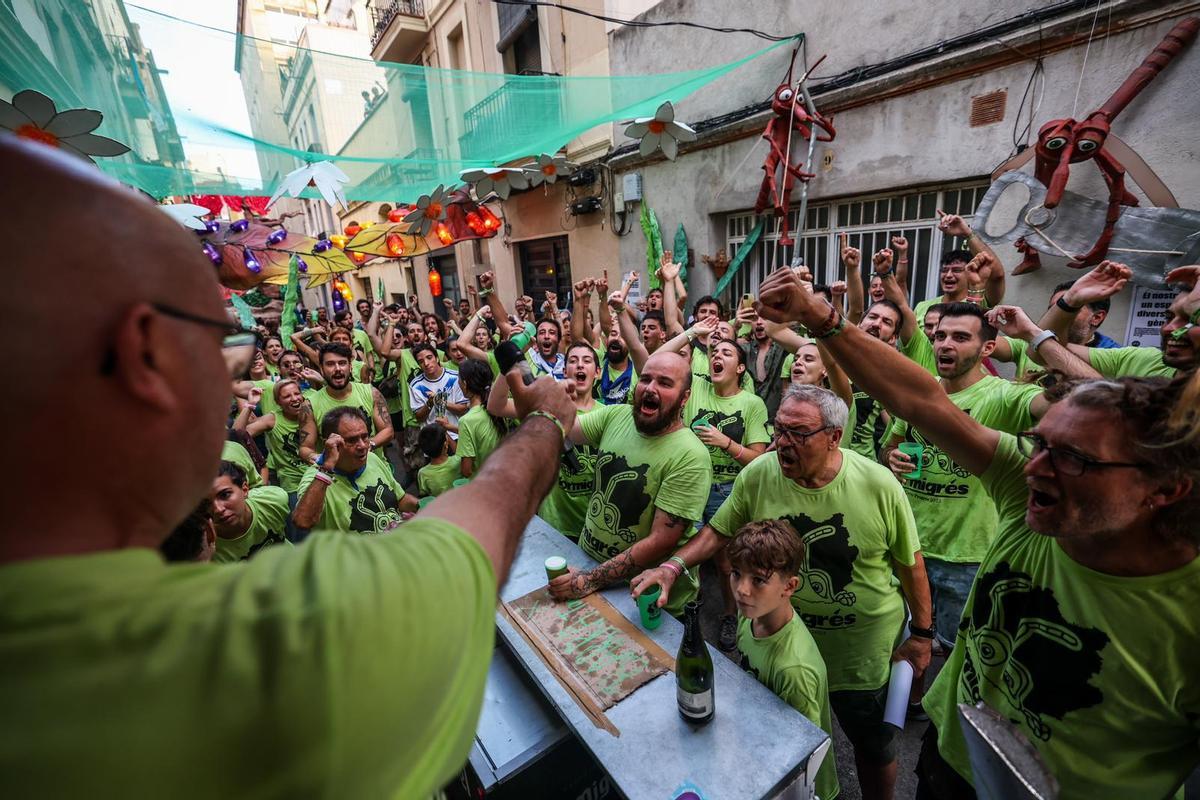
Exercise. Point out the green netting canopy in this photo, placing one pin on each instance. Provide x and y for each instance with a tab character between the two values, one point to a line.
396	130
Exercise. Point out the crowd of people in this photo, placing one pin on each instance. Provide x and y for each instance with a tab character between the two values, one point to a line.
871	481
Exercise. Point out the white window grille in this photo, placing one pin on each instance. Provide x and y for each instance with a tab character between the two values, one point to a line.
870	222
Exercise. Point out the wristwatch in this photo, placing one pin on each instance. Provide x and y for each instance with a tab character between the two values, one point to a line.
1041	339
921	633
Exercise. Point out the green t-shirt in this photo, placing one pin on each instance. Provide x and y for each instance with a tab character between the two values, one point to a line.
862	436
853	528
955	517
477	436
789	664
269	507
920	350
1097	671
1139	362
742	417
433	479
1026	367
384	369
409	369
636	474
361	395
344	663
362	341
233	451
283	452
367	503
565	507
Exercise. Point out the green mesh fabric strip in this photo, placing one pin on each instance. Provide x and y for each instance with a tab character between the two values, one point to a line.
416	128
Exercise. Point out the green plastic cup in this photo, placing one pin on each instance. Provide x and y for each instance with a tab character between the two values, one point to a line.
462	482
913	451
556	566
424	501
647	603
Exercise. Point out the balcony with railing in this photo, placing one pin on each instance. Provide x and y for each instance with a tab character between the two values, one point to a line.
506	115
398	28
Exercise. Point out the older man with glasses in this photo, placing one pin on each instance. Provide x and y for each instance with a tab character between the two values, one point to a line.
858	532
1081	628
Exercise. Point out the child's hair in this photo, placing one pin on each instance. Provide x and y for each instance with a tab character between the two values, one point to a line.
432	439
771	545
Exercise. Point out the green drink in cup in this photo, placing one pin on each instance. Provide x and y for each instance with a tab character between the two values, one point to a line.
913	451
647	603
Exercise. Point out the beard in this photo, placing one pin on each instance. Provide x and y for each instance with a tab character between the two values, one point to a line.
659	421
338	382
616	351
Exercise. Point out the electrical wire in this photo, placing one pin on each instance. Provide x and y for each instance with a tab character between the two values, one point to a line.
633	23
1020	139
1086	50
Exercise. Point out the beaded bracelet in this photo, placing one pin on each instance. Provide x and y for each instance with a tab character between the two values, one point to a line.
539	413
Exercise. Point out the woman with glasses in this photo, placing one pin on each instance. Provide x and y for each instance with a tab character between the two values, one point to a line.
1081	627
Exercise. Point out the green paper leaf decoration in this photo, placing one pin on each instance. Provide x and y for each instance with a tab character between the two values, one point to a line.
740	258
291	296
654	249
680	253
244	312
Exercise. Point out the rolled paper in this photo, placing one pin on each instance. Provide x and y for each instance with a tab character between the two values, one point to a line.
896	708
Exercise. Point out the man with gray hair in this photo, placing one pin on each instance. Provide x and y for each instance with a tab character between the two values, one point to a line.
858	531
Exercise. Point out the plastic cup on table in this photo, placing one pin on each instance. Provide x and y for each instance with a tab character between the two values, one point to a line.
461	482
556	566
424	501
648	609
913	451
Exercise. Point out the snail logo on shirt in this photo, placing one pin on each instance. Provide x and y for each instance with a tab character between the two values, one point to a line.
828	566
733	426
373	510
864	427
579	483
1020	646
619	497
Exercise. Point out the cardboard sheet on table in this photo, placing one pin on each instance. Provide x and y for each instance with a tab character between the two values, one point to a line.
607	652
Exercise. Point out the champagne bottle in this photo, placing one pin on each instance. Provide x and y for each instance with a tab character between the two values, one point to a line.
694	671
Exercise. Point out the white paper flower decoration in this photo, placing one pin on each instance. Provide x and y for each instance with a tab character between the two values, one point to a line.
548	169
501	180
661	132
32	115
430	208
187	214
324	175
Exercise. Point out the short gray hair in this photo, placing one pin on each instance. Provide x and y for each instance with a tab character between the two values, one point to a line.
834	413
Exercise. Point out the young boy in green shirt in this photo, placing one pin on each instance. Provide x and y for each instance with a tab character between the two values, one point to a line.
775	646
443	468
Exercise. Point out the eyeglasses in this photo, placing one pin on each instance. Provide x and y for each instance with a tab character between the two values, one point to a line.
1068	462
237	347
795	438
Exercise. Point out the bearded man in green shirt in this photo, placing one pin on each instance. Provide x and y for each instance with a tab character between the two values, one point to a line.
1081	628
351	666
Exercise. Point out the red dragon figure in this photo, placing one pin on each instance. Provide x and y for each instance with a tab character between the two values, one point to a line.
787	104
1063	142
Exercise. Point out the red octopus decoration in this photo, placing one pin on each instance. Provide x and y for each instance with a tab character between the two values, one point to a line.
1063	142
791	117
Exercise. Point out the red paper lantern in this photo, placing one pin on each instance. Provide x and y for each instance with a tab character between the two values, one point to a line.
352	229
443	234
395	244
396	215
435	282
475	223
491	223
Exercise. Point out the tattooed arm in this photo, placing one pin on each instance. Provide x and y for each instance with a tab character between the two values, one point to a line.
665	532
383	420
